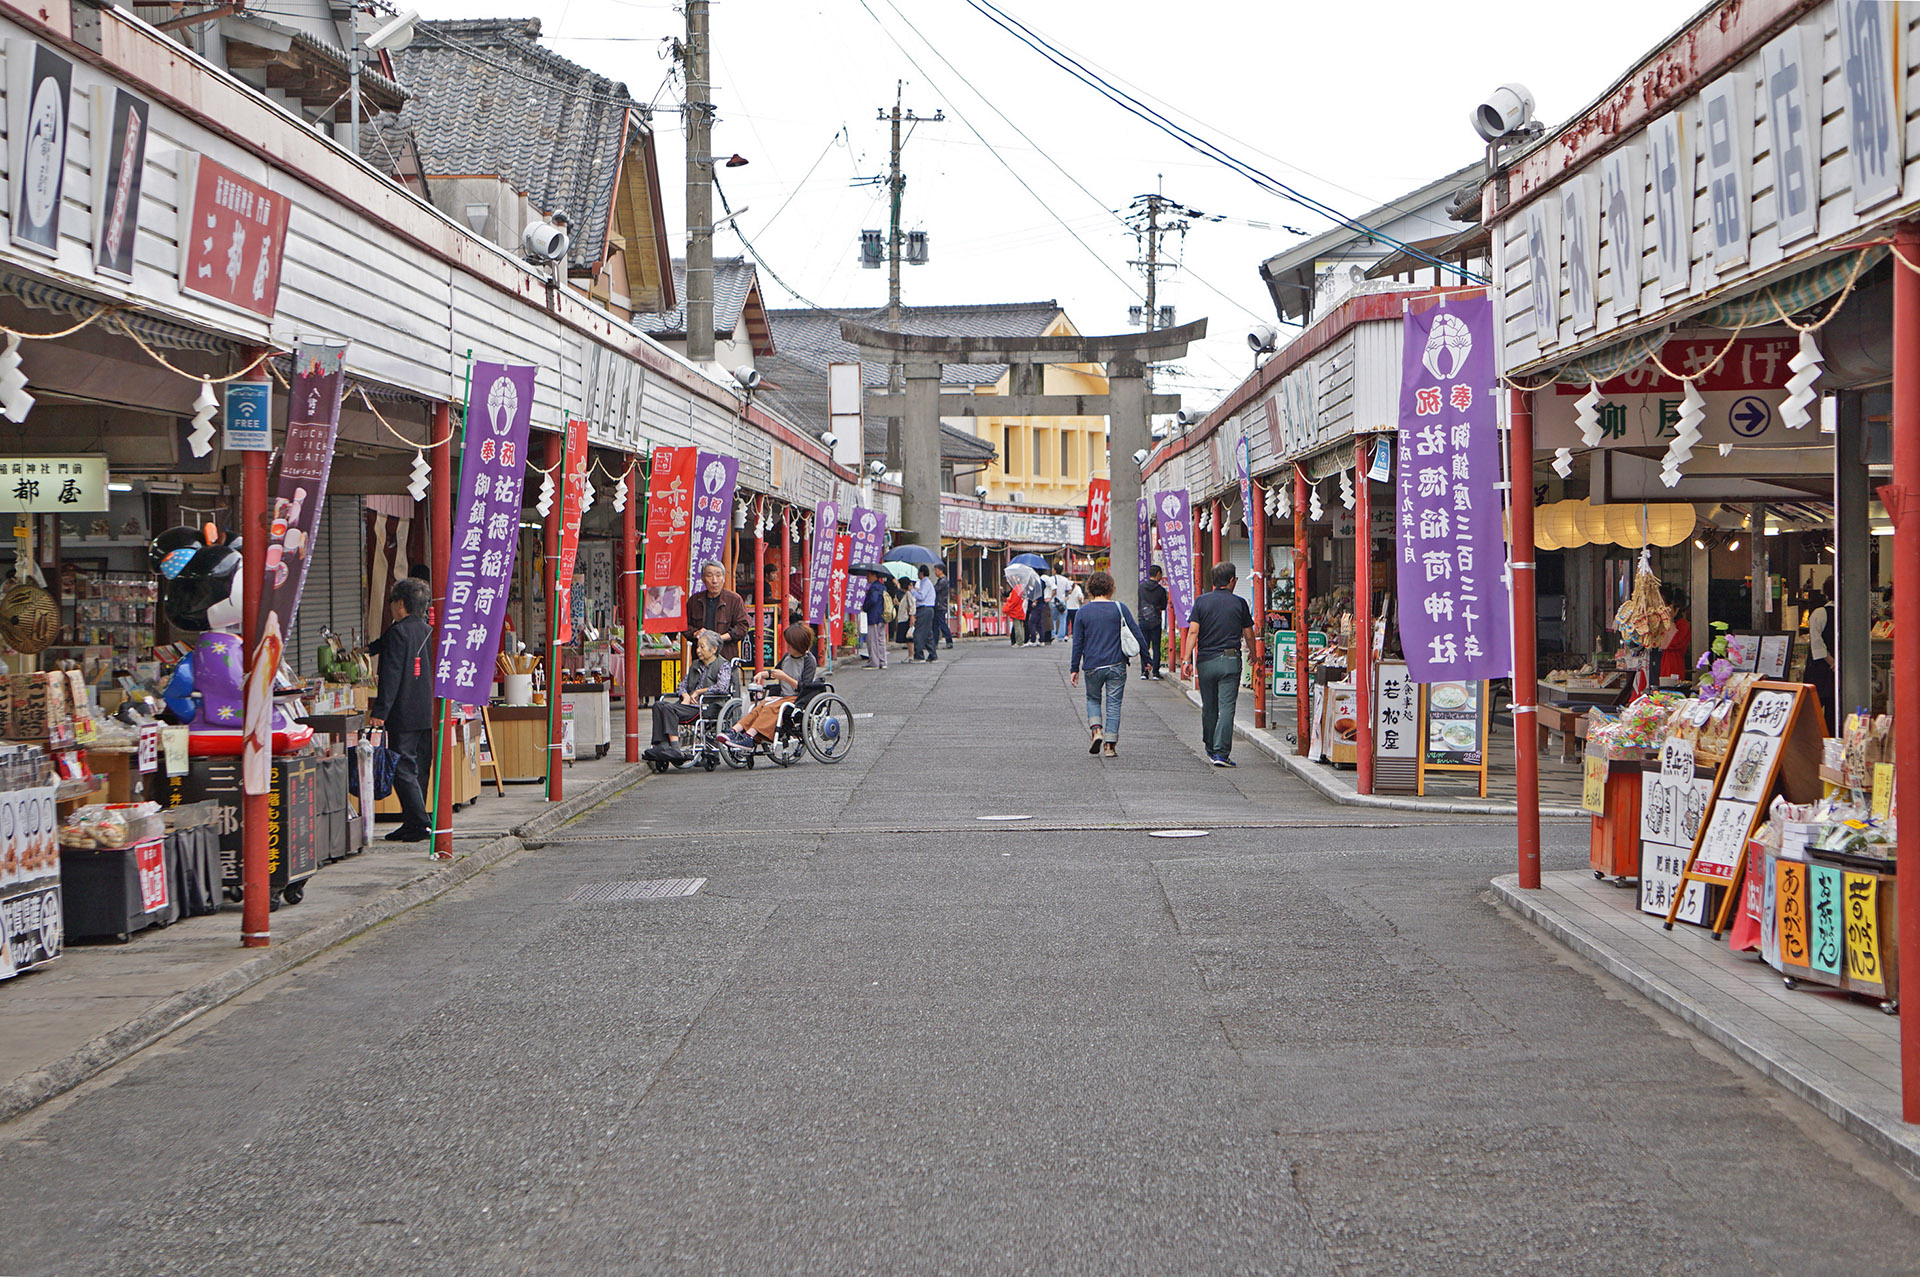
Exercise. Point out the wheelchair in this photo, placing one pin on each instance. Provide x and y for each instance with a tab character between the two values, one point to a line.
819	722
700	737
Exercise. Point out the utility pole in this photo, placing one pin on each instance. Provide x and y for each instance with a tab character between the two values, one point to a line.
1152	217
699	116
896	239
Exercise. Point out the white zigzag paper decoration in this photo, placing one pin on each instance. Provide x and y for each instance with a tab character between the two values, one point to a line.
1806	366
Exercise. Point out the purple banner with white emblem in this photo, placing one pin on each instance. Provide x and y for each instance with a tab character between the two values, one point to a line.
869	528
486	529
826	530
713	480
1171	512
1143	523
1454	621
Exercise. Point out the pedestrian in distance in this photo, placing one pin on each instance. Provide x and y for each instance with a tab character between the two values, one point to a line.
1153	607
902	623
1057	584
1014	608
923	609
1076	599
875	606
942	602
1220	626
403	705
1039	613
1100	643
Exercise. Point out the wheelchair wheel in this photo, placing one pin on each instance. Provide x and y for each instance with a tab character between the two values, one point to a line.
710	759
729	719
828	728
786	749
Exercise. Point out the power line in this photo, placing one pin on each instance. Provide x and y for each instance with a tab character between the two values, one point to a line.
1188	138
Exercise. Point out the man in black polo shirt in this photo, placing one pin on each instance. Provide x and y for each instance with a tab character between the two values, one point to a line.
1221	623
1153	610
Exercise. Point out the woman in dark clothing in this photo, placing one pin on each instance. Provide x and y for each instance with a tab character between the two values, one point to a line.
1098	646
706	672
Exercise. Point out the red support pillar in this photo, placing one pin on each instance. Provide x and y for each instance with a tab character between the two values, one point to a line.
556	457
786	562
440	555
255	872
1213	535
1302	700
759	590
1360	659
630	606
1526	733
1906	635
1257	579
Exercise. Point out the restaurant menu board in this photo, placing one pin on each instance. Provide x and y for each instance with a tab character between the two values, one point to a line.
1395	712
1455	729
1673	801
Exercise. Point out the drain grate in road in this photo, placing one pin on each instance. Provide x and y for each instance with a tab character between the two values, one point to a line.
600	893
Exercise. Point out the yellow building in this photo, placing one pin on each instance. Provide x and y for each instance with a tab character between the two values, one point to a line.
1046	461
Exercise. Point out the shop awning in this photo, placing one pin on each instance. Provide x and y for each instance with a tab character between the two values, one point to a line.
155	332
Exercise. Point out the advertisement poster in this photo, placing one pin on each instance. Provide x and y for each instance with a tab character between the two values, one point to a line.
1454	724
573	468
38	95
1171	513
486	529
306	461
1454	621
118	172
826	530
669	540
151	866
869	535
1099	511
712	509
837	586
233	232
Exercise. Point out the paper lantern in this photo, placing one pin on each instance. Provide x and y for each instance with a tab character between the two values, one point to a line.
1592	522
1623	526
1543	531
1670	523
1563	520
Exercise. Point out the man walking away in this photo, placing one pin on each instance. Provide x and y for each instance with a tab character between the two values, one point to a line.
1040	613
875	606
942	600
923	597
1153	610
1221	623
404	704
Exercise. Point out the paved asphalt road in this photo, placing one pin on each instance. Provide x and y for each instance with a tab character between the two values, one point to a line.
889	1037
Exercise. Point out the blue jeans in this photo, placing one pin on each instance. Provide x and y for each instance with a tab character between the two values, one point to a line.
1106	687
1219	679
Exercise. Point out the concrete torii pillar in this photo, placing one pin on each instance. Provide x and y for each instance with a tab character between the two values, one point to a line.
920	456
1128	431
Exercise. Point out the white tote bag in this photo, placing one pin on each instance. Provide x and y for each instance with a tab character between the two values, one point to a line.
1128	643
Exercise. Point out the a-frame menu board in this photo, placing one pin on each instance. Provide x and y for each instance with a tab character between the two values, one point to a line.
1776	749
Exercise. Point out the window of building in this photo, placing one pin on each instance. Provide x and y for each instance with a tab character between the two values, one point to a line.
1039	453
1066	455
1006	449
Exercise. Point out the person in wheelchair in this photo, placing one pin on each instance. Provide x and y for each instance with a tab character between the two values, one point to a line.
797	669
709	679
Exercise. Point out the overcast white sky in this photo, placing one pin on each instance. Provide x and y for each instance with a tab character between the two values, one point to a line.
1353	103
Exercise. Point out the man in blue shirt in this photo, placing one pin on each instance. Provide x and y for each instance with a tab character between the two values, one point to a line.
1220	625
924	599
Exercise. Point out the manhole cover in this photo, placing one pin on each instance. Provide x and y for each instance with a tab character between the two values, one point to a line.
1178	833
1004	817
650	889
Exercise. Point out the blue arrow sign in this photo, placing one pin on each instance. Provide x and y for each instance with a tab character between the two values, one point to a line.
248	419
1749	416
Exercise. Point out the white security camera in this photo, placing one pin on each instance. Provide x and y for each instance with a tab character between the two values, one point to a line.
1140	456
981	491
830	438
1262	338
876	467
1187	417
545	241
748	377
396	35
1507	110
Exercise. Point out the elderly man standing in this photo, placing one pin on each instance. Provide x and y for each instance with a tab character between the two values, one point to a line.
923	627
404	704
715	607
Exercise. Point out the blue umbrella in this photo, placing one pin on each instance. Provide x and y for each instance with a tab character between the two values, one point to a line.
1033	561
915	554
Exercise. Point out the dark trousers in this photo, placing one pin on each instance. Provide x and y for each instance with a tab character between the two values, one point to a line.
1150	653
945	630
1040	622
1219	679
669	712
412	772
1820	675
923	630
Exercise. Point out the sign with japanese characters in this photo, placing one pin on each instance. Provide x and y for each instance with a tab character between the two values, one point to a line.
1453	594
1865	963
715	476
232	234
486	529
119	167
1823	915
1174	518
669	540
573	472
150	866
39	92
826	527
869	535
306	463
1874	70
837	585
1395	712
47	485
1099	511
1790	901
1243	468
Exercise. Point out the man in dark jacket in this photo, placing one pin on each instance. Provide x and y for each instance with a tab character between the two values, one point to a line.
875	607
1153	611
404	704
716	608
942	602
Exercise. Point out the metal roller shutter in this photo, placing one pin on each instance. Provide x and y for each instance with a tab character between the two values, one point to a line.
332	598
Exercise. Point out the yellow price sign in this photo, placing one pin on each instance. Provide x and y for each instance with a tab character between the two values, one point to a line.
1882	790
1593	789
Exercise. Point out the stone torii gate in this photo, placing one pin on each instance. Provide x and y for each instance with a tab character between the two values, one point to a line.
1126	406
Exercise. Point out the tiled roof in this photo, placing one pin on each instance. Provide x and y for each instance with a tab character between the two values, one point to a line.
489	100
734	281
809	340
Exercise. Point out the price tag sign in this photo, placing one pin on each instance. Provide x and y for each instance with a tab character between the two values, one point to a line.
1882	790
173	744
1593	788
149	749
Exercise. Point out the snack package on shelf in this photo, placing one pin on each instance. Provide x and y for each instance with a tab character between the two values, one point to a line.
112	825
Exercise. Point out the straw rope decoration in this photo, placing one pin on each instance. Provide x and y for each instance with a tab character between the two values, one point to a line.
95	317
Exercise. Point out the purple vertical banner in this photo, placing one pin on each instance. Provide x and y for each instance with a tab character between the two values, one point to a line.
713	480
869	535
1176	550
306	463
1243	457
1454	621
1143	523
486	529
826	531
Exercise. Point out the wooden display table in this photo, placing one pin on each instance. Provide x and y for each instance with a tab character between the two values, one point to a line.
520	742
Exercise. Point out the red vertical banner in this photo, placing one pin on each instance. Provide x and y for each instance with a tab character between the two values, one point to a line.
1100	512
669	539
837	588
574	470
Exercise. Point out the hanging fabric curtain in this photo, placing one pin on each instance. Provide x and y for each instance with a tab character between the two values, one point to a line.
1793	294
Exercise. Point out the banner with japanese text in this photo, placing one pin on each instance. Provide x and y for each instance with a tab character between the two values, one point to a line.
1243	461
712	510
1454	621
306	463
573	468
486	529
1143	524
1099	511
1174	518
826	528
869	535
837	587
669	537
